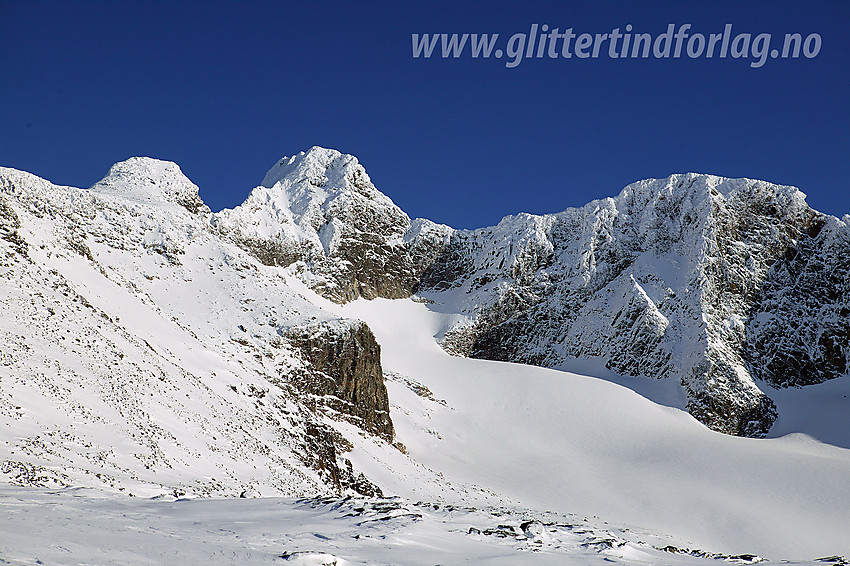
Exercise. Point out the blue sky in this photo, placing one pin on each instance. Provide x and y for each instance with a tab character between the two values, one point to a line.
226	89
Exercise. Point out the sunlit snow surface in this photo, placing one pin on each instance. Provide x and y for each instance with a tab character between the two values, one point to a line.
84	527
550	440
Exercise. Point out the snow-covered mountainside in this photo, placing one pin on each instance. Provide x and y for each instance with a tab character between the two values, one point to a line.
316	341
140	350
718	284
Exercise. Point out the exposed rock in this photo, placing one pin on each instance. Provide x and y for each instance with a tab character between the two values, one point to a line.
321	452
9	224
798	328
347	360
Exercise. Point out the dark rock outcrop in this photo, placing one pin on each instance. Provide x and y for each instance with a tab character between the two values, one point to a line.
9	224
798	330
322	452
347	360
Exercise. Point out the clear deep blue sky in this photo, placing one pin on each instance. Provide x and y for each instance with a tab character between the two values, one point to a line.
226	89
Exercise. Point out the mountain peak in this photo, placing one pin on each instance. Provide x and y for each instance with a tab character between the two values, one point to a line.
321	168
312	163
317	179
309	188
151	180
320	205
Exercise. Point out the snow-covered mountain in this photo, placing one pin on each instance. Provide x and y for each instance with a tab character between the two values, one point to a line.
716	284
297	346
320	210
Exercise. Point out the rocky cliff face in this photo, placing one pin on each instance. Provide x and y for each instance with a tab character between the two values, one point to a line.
348	362
798	328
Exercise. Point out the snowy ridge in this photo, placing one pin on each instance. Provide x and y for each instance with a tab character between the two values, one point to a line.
151	180
692	250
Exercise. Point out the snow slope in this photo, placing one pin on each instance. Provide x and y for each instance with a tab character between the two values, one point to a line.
550	440
141	352
535	467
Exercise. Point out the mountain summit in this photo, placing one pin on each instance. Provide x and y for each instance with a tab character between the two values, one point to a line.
697	278
151	180
321	208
